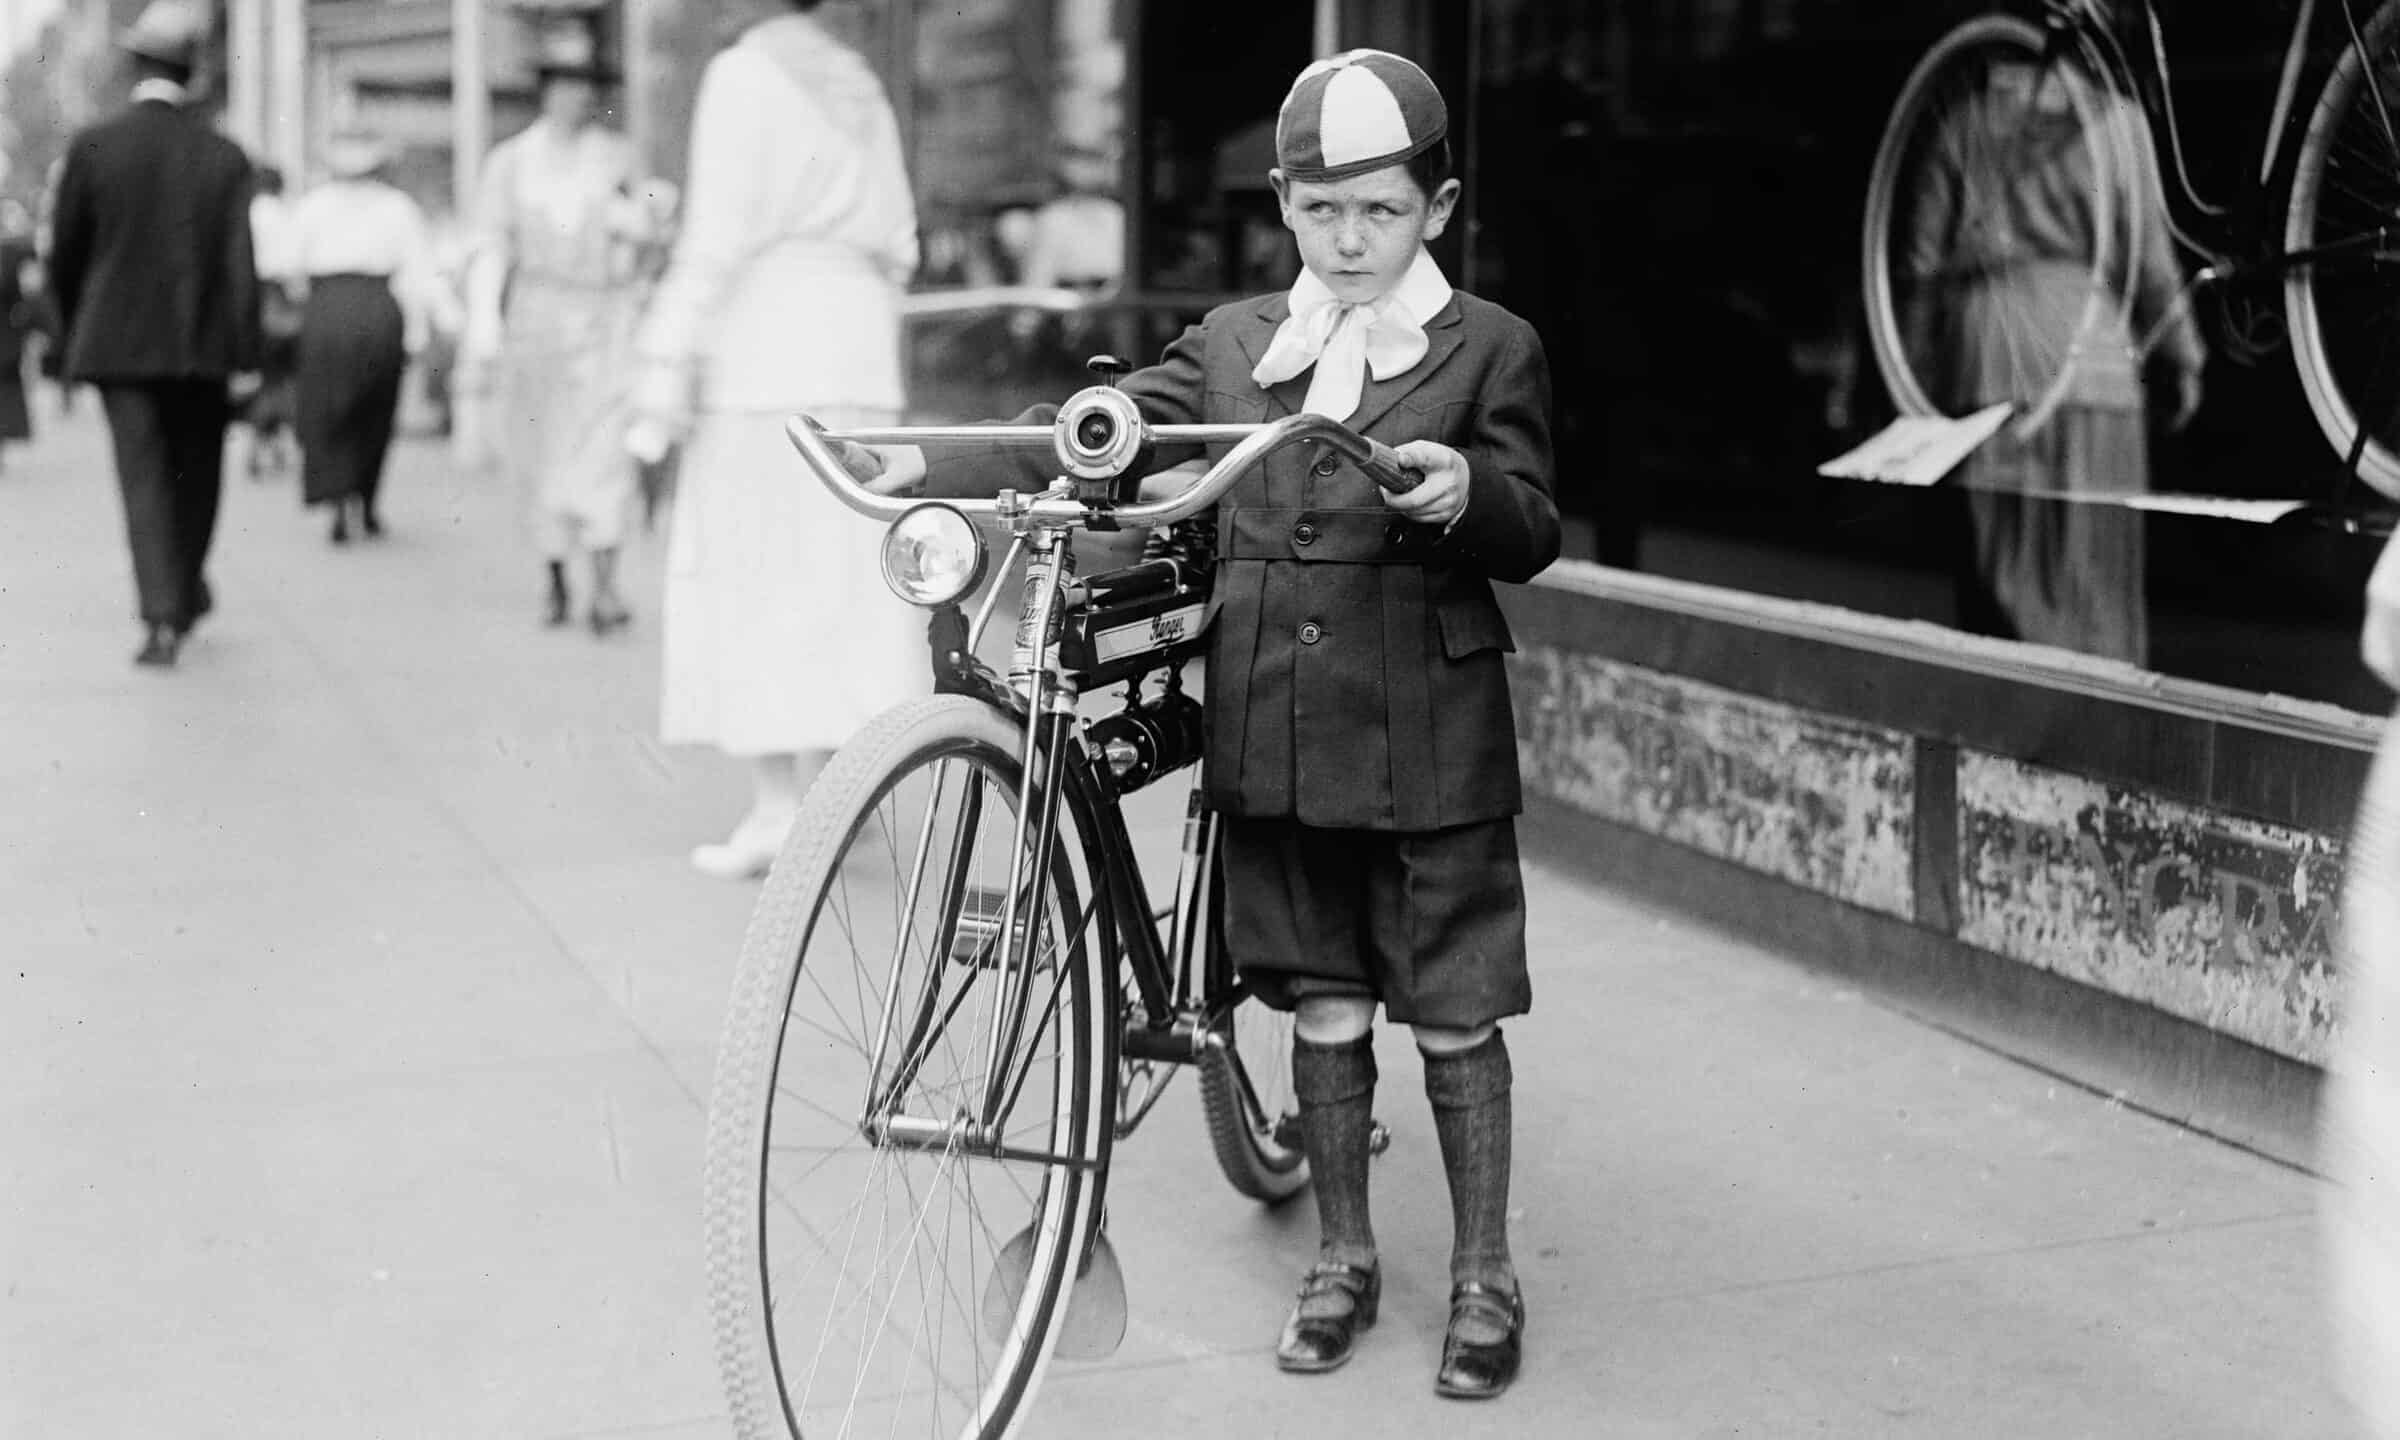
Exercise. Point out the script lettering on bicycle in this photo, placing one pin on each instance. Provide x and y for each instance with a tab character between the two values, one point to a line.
1156	633
1917	449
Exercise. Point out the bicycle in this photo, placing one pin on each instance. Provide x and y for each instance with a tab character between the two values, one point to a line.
2322	215
955	995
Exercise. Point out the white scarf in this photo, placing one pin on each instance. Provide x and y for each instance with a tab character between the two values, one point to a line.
1346	342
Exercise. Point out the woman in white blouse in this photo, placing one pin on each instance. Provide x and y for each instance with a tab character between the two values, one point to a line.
359	247
799	233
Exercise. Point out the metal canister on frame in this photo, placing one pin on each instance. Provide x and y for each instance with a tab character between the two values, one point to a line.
1029	604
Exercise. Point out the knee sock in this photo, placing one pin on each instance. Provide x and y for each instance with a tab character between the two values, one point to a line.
1472	1116
1335	1085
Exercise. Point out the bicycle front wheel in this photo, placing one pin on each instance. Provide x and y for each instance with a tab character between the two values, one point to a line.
1959	313
890	1247
2342	291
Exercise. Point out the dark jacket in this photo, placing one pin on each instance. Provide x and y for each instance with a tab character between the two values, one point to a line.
150	257
1355	676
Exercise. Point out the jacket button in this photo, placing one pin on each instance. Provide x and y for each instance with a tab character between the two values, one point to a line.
1327	463
1304	534
1310	633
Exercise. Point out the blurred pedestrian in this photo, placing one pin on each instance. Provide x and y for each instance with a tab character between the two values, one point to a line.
52	365
798	235
2360	1143
20	318
362	249
561	215
158	300
268	415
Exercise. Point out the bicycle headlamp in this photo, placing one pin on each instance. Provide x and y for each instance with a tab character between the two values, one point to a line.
933	556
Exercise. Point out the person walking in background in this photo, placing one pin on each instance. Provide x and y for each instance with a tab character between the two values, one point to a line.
52	365
561	217
365	260
268	414
20	319
158	300
798	234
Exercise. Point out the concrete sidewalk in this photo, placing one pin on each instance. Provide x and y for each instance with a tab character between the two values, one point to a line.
361	1006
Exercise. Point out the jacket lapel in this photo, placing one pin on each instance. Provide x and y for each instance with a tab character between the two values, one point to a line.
1255	335
1443	335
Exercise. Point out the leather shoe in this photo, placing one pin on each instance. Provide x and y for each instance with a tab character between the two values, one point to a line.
1337	1302
159	647
1481	1369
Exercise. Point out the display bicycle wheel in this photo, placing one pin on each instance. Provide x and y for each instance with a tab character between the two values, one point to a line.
881	1262
2343	300
1995	112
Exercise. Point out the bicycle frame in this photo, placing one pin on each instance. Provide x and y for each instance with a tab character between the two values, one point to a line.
1184	984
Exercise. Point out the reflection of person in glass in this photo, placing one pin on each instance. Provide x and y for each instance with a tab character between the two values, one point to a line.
2004	237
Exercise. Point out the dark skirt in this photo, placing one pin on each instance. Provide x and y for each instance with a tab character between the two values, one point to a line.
16	418
352	358
273	405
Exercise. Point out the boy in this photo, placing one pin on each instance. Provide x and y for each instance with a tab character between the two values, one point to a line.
1361	744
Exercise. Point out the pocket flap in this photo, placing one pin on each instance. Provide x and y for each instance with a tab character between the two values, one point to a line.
1470	626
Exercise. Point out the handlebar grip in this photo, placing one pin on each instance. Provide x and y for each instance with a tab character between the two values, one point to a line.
1385	467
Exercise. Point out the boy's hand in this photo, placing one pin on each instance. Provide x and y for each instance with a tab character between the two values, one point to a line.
1173	481
884	469
1443	496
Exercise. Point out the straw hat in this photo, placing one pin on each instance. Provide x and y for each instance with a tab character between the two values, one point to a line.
354	155
571	51
171	32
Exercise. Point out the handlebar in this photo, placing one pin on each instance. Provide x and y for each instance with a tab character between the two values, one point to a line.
1251	443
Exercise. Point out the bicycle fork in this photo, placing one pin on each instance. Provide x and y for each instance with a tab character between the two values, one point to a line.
1050	698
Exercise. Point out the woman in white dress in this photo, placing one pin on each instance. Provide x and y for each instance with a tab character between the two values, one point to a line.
561	215
799	232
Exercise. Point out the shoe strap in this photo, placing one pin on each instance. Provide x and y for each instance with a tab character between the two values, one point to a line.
1475	1299
1333	1291
1336	1275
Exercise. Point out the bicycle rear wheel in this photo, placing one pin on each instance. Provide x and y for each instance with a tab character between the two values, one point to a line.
1253	1121
856	1221
1991	111
2344	305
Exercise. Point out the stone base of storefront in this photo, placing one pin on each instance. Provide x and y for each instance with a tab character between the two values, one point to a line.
2129	881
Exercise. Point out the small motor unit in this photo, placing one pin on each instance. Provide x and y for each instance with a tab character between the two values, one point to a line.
1127	623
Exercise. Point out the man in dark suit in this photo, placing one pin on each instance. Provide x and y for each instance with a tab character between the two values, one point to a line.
157	294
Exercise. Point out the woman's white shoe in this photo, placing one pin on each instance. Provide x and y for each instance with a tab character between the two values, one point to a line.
748	852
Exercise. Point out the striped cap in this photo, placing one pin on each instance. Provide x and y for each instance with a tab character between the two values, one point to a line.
1357	111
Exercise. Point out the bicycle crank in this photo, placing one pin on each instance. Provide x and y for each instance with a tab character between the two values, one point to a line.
1095	1323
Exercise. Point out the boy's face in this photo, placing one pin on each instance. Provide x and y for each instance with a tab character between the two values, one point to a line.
1360	235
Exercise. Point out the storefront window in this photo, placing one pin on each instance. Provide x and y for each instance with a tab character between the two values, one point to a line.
1675	192
1013	114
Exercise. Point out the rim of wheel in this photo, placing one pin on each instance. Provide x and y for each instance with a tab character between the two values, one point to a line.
2328	400
1899	157
874	1259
